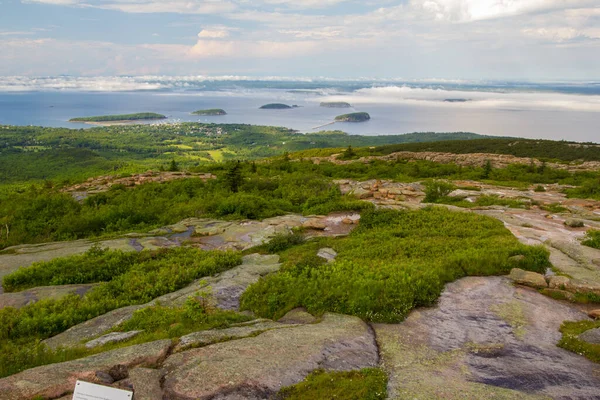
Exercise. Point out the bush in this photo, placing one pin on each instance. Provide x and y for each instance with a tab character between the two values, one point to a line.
436	190
284	241
393	262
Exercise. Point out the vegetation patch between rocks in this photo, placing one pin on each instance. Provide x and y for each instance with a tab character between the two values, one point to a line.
393	262
571	341
366	384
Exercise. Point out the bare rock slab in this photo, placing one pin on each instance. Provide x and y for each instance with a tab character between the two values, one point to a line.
146	383
298	316
486	339
204	338
114	337
21	299
259	366
55	380
592	336
328	254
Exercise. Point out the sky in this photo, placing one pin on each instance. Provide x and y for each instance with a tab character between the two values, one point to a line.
539	40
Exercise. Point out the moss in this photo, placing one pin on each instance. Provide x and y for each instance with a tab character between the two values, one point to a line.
367	384
570	339
513	314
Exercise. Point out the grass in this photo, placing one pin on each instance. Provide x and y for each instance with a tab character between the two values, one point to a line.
393	262
592	239
570	339
366	384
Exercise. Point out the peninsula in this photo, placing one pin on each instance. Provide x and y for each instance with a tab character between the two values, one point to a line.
211	111
353	117
120	118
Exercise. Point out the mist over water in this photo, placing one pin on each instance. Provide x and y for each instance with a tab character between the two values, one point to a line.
562	111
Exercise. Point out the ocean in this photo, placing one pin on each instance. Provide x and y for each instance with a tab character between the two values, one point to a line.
559	111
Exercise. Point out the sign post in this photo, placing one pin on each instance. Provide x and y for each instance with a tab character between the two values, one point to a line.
90	391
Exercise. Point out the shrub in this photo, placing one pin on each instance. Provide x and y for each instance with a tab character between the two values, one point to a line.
393	262
436	190
284	241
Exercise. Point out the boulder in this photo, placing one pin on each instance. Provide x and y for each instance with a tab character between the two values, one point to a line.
594	314
558	282
55	380
297	316
527	278
574	223
146	383
315	223
260	366
114	337
592	336
328	254
361	193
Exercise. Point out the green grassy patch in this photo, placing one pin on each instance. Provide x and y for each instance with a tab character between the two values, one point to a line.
367	384
592	239
150	278
393	262
570	339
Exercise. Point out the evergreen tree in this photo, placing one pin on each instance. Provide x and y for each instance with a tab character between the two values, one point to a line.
173	167
234	177
487	170
349	153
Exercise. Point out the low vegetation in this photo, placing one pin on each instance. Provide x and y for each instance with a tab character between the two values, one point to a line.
121	117
592	239
570	339
366	384
394	262
21	330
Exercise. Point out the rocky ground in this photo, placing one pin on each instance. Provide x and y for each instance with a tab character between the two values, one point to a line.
487	338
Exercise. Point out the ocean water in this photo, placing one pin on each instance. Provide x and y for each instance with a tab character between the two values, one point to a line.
551	111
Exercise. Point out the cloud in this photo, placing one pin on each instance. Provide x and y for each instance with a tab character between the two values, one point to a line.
149	6
475	10
243	49
216	32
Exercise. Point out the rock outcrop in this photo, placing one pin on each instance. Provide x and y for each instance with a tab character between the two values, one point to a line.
528	278
486	339
56	380
258	367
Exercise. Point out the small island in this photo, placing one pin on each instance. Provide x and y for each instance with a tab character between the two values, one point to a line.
456	100
120	118
353	117
336	104
275	106
209	112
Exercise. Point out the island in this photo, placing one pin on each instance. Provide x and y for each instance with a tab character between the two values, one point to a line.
120	118
353	117
456	100
275	106
335	104
211	111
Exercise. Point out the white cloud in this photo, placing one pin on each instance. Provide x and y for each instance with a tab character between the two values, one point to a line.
475	10
215	32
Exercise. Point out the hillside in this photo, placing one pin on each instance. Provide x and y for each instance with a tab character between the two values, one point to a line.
294	276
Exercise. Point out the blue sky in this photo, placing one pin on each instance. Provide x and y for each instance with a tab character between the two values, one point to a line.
411	39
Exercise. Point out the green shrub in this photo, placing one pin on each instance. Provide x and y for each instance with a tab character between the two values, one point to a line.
284	241
436	190
144	281
367	384
393	262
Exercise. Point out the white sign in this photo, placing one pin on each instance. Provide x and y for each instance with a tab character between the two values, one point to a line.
89	391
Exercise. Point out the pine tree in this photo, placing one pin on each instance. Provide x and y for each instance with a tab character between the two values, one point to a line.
234	177
173	167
